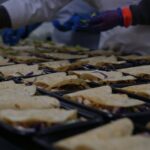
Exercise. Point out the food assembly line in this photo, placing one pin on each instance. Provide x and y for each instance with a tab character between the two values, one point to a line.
70	98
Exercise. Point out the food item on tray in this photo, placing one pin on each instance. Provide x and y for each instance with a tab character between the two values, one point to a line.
28	102
22	91
63	65
116	135
103	76
100	61
31	117
4	61
140	71
10	85
26	59
117	129
58	81
136	58
140	90
101	53
62	56
10	88
103	99
125	143
19	70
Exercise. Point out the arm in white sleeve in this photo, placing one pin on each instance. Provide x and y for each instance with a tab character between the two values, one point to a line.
95	3
24	12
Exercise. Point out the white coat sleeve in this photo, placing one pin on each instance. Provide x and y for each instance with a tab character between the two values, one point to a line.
24	12
95	3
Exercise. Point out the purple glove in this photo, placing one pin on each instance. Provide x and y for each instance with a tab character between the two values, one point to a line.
107	20
104	21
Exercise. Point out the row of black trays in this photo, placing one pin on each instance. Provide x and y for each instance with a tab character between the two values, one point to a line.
45	141
44	137
87	112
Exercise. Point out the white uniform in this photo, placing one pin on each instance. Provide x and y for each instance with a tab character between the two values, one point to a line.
23	12
130	40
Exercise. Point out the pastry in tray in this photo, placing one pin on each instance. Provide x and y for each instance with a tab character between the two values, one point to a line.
32	117
27	102
100	53
113	136
22	91
101	61
135	58
4	62
63	65
103	99
140	71
26	59
142	90
10	85
138	142
56	81
62	56
103	76
10	88
116	129
19	70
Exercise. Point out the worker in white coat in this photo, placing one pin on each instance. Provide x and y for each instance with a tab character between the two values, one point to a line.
86	39
18	13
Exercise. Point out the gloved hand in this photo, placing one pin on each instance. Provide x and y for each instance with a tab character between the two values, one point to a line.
108	20
72	23
12	37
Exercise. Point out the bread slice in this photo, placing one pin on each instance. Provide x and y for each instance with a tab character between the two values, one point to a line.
27	59
64	65
100	59
10	88
18	70
57	81
134	58
140	90
140	71
27	118
62	56
102	97
125	143
103	76
26	102
117	129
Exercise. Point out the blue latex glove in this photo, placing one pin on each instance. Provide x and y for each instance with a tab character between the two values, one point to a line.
12	37
103	21
72	23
